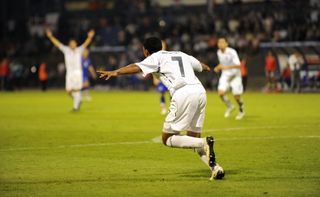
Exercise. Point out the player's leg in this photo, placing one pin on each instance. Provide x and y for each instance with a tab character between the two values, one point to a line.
206	153
237	90
75	85
181	111
222	89
175	140
241	113
206	158
75	99
76	95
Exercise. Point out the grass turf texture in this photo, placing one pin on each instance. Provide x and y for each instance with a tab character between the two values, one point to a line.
45	150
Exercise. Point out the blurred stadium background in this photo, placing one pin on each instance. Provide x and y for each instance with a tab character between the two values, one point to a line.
253	27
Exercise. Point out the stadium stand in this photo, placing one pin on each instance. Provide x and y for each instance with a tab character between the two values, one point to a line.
252	27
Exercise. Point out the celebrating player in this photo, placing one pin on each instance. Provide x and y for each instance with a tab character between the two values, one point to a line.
231	76
187	107
72	55
87	70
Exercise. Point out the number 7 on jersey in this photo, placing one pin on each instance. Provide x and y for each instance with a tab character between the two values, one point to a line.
179	60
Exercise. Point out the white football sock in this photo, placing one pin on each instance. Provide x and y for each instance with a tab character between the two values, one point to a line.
203	156
204	159
76	99
183	141
226	100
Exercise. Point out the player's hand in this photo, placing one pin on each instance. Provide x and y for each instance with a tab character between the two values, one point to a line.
91	33
205	67
217	68
107	74
49	33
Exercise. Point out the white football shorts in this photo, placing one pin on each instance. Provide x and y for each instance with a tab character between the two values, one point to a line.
187	110
74	81
233	81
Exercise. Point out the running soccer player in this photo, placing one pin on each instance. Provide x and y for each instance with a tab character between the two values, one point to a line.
72	55
230	77
87	70
187	107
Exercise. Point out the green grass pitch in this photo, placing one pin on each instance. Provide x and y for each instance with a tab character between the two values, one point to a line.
107	150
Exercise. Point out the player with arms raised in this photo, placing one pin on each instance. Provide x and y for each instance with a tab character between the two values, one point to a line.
72	55
187	107
230	76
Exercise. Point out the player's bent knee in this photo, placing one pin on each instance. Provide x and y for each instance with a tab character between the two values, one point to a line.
193	134
165	137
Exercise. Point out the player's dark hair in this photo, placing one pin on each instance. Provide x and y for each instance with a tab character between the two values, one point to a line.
152	44
223	37
72	39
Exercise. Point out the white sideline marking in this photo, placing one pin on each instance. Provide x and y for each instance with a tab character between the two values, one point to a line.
158	139
154	140
74	146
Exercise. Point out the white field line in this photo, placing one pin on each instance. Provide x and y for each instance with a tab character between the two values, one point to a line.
74	146
158	139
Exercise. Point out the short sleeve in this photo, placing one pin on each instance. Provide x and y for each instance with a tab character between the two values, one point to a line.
63	48
196	65
235	58
149	65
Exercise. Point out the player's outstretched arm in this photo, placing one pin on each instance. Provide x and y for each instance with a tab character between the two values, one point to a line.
53	39
219	67
230	67
89	39
130	69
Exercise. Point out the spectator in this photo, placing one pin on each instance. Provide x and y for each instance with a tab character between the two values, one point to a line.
270	70
16	74
295	62
43	76
4	73
244	73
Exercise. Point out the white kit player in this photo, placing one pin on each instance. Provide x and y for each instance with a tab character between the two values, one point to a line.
187	107
230	77
72	55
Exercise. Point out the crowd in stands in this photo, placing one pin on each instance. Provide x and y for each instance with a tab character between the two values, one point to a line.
192	29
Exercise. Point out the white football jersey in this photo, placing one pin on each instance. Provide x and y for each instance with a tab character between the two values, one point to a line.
72	59
176	69
228	58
